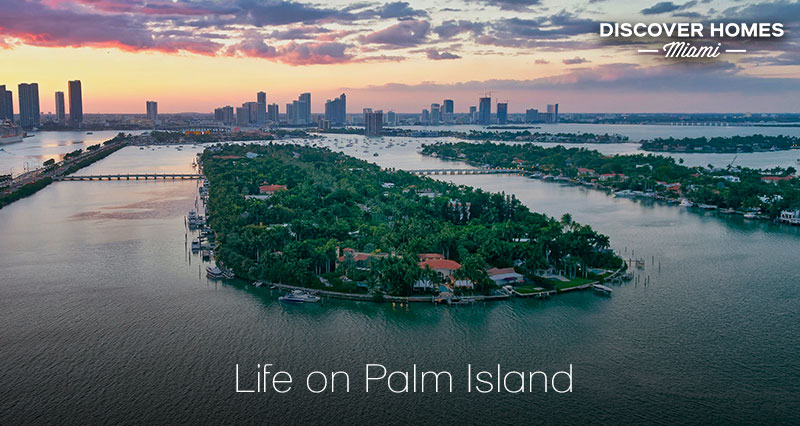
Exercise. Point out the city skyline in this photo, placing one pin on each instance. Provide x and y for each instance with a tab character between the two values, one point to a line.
388	55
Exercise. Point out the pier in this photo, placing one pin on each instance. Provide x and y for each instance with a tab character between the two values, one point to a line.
464	171
131	176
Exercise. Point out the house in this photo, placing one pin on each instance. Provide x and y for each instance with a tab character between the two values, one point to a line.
444	267
463	284
267	189
731	178
425	256
360	259
776	179
503	276
423	285
586	172
608	176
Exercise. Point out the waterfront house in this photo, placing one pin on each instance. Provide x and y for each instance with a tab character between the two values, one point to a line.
586	172
503	276
463	284
444	267
425	256
776	179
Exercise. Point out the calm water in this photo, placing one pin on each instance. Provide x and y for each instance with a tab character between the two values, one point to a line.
104	317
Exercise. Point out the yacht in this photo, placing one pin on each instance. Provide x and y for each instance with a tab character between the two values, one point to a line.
216	273
602	289
750	215
686	203
299	296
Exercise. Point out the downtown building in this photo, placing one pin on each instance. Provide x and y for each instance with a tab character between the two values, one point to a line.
261	111
485	110
502	112
6	104
152	111
75	103
29	115
336	110
61	111
224	115
373	122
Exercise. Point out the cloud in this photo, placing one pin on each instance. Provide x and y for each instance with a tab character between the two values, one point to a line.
400	9
575	61
541	62
452	28
667	6
436	55
293	53
518	5
403	34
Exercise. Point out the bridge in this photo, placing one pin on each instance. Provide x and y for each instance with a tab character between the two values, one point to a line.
464	171
131	176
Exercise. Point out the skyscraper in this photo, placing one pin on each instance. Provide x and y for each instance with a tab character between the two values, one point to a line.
75	103
290	113
261	113
304	115
473	114
6	104
243	116
447	106
336	109
61	115
224	115
272	113
436	115
152	111
485	110
502	112
252	107
28	94
552	110
373	122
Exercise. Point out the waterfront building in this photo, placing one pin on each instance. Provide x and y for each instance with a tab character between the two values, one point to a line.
425	117
28	94
473	114
373	122
336	109
152	111
75	103
447	106
502	112
436	116
532	115
485	110
391	118
290	118
304	113
552	110
6	104
61	114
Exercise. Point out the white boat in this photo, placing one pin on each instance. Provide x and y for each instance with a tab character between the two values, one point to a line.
750	215
219	273
299	296
686	203
259	284
602	289
707	206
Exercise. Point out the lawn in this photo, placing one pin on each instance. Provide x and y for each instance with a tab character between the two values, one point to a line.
566	285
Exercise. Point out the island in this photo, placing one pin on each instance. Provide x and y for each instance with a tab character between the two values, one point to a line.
314	218
772	194
732	144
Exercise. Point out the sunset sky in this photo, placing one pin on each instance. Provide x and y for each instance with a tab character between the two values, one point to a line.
197	55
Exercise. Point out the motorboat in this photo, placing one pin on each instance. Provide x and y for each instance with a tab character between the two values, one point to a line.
602	289
686	203
299	296
219	273
258	284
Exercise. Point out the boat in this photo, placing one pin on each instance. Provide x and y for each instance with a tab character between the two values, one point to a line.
89	133
686	203
728	211
750	215
195	245
219	273
258	284
707	206
299	296
10	133
602	289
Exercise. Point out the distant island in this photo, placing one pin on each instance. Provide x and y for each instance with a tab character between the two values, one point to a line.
736	189
320	219
732	144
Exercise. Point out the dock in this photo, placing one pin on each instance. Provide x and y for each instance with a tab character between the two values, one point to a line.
131	176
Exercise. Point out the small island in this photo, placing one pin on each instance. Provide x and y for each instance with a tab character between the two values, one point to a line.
732	144
314	218
771	194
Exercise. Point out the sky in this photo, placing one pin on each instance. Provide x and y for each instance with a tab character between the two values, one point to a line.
195	55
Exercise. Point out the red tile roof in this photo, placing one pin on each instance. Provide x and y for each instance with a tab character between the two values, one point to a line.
271	189
440	264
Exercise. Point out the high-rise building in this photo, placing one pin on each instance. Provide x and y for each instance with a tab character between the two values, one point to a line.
532	115
391	118
224	115
373	122
75	103
290	114
436	113
152	111
502	112
425	117
552	110
6	104
243	116
304	103
336	110
252	108
261	113
473	114
485	110
28	94
61	114
447	106
272	113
